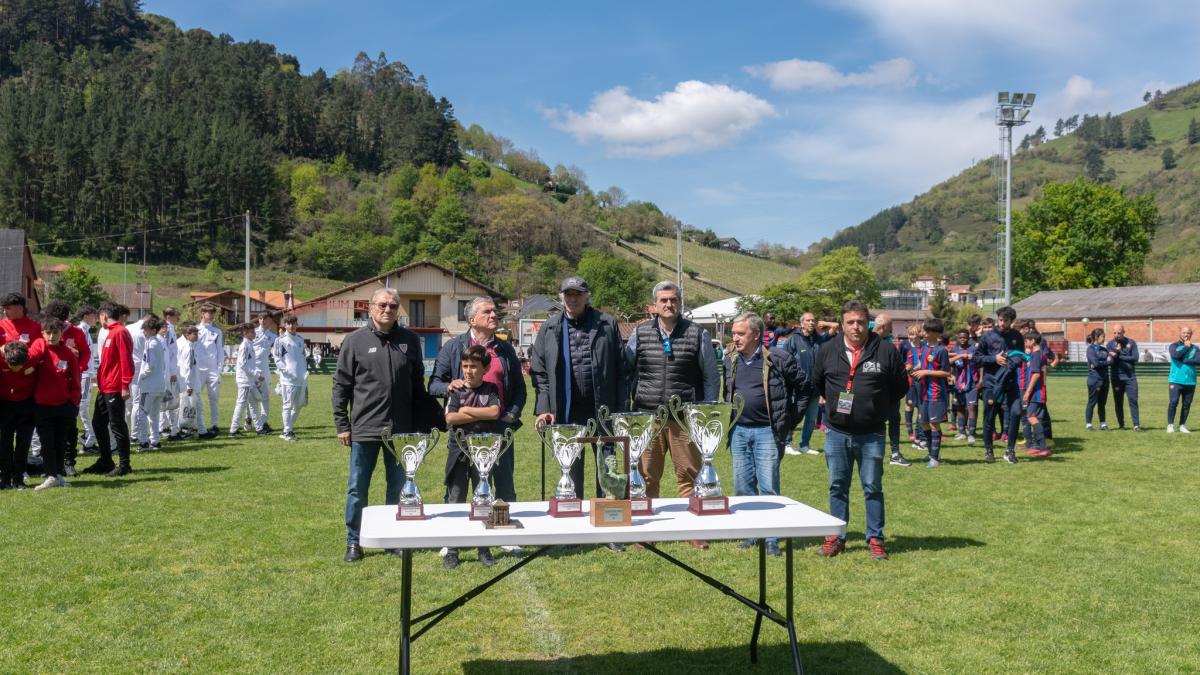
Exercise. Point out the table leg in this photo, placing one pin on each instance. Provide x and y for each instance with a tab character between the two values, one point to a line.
791	622
405	609
543	466
762	598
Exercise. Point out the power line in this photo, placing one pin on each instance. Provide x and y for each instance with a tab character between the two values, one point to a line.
99	237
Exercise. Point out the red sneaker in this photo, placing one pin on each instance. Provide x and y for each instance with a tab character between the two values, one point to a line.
1004	437
1032	451
831	547
1041	453
875	546
953	427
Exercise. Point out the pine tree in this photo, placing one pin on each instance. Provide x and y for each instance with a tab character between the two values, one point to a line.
1193	135
1168	159
1058	128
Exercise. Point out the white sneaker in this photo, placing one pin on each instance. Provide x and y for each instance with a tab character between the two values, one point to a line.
515	550
970	440
443	552
810	451
1088	426
960	437
50	482
291	438
789	450
1183	429
1170	428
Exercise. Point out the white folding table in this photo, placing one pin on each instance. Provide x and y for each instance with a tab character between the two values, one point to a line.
449	525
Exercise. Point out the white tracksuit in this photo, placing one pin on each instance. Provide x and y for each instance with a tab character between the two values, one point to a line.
264	342
189	378
169	419
151	384
210	359
139	351
87	375
249	376
292	367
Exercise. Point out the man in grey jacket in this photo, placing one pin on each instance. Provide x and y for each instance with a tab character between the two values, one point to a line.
505	373
378	390
576	366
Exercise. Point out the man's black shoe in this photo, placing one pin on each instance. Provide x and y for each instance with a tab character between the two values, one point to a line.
773	548
1010	457
747	543
485	557
616	548
4	484
451	559
210	434
70	471
1138	429
354	553
989	457
101	467
18	483
267	429
263	431
122	470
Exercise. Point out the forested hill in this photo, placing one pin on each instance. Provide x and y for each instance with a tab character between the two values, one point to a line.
1153	149
117	127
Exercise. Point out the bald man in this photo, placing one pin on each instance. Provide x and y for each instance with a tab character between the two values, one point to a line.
883	328
1182	383
1124	376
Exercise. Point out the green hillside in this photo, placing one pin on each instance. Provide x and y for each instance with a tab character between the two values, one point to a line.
951	229
743	273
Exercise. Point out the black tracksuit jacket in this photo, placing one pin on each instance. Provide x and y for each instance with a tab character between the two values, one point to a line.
879	383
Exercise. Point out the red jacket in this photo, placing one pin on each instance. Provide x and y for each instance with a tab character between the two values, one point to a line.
116	360
57	377
18	385
73	337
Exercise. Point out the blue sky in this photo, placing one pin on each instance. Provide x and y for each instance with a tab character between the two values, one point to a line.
777	121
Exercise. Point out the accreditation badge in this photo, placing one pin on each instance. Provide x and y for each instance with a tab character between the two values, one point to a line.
845	402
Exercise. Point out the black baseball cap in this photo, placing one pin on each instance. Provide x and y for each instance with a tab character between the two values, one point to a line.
574	284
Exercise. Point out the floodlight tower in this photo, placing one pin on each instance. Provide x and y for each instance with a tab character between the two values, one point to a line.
1010	112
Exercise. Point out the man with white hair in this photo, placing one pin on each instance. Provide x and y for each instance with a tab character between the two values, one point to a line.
504	372
378	390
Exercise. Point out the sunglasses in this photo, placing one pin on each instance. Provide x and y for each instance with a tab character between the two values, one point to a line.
388	305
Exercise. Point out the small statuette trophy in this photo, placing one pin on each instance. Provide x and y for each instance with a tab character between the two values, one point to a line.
641	428
563	440
483	450
410	451
614	510
708	425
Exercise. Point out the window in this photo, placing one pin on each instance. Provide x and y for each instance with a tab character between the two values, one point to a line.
416	313
462	310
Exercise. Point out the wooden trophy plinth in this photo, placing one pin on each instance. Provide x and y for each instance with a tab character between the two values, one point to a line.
610	512
641	506
566	507
410	512
481	511
708	506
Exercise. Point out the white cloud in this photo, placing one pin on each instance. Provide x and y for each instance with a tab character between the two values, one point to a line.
796	74
694	116
935	25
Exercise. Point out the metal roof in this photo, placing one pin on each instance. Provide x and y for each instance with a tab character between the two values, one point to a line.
1132	302
12	261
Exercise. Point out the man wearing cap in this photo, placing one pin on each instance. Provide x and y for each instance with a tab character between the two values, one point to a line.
576	366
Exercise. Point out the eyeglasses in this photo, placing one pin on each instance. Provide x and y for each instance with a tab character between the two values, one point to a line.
387	305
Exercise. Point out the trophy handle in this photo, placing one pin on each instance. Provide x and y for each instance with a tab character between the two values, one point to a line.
739	404
660	421
589	429
460	439
602	420
506	443
434	436
676	406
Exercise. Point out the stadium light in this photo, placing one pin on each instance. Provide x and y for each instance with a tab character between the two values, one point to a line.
1011	111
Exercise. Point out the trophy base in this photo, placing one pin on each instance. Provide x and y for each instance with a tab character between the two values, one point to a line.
641	506
708	506
610	512
566	507
481	511
410	512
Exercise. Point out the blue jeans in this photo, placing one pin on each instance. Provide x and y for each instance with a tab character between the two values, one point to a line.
810	420
755	462
364	455
842	451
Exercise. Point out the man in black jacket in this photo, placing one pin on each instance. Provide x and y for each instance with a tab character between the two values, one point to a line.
504	372
378	390
862	379
767	380
576	366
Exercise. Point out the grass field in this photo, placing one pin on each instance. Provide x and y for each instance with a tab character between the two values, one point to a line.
226	556
172	283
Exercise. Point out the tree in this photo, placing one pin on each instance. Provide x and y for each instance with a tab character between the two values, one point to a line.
1168	159
78	286
1140	134
1146	97
1093	162
1114	132
1081	235
941	308
1058	128
1193	135
841	275
214	276
618	285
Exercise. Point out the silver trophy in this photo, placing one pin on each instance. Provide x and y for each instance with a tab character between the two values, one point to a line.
563	440
484	450
640	428
410	451
708	424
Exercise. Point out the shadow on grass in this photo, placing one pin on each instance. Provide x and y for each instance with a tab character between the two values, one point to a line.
110	483
825	657
186	469
906	544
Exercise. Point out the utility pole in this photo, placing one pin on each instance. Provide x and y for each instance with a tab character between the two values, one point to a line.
247	265
125	275
679	262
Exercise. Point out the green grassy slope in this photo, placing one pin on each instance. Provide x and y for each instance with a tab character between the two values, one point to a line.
226	556
172	283
951	228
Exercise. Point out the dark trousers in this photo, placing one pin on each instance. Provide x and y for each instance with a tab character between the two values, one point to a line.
56	429
581	414
1007	406
506	466
1184	393
109	413
16	434
893	429
1097	396
456	481
1126	389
